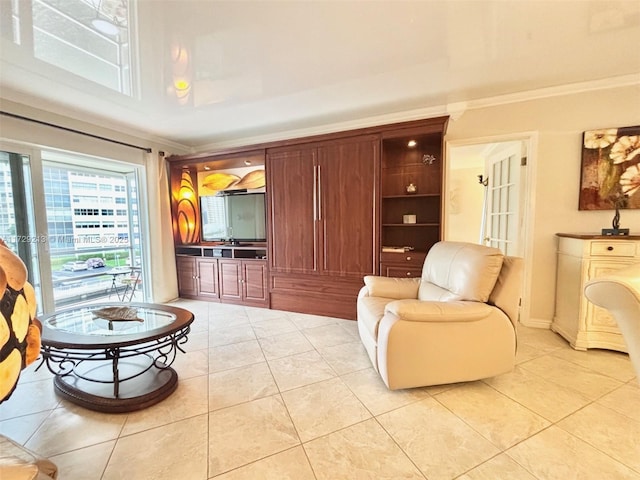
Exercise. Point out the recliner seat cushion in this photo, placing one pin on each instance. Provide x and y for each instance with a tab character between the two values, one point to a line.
462	271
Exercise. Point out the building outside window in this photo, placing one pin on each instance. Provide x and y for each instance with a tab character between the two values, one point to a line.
84	243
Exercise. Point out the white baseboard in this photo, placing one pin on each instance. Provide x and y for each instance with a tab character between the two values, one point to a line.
537	323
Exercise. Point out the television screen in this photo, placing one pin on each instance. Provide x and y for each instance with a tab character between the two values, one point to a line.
239	217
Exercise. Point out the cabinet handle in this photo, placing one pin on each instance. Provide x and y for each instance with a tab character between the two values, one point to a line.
408	259
408	274
319	193
315	192
610	248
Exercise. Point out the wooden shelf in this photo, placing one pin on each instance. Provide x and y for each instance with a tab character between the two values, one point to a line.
410	224
411	195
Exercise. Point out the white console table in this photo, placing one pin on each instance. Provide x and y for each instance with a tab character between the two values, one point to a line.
582	257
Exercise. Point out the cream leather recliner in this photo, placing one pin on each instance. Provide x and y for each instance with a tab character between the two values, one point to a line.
456	323
619	293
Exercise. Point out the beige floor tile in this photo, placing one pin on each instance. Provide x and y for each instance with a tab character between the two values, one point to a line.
327	335
21	428
191	364
607	362
189	400
496	417
231	334
302	320
86	463
429	434
555	454
374	394
71	427
261	314
571	375
346	358
300	370
527	352
234	356
30	374
547	399
30	397
248	432
196	342
224	321
611	432
351	328
284	345
274	326
499	467
361	452
322	408
174	451
289	465
625	400
239	385
542	339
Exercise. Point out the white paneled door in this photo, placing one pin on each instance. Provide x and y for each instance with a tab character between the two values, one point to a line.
504	227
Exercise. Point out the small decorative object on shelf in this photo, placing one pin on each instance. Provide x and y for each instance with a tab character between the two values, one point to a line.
411	188
619	202
428	159
409	218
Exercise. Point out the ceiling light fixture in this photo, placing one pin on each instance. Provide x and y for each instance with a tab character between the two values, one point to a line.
411	143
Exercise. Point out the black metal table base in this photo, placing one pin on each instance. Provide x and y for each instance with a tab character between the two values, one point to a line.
146	389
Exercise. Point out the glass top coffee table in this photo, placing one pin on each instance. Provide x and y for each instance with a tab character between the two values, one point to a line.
114	357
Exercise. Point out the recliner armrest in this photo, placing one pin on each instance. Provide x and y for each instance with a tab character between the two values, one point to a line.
390	287
429	311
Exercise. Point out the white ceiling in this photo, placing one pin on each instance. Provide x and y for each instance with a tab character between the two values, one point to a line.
264	67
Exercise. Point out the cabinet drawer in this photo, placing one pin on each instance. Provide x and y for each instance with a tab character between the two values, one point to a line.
400	271
411	259
613	249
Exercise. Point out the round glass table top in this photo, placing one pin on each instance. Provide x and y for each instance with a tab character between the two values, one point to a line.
112	324
109	321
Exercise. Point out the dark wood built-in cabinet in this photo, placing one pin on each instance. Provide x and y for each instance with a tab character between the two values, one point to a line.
411	185
333	202
225	274
323	223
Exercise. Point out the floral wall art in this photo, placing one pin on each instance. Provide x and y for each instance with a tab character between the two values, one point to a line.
610	169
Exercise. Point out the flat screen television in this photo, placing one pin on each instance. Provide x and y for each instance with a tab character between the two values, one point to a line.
237	217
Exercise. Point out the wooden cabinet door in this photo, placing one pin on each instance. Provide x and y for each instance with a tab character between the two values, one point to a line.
254	281
292	210
230	274
207	277
348	184
186	267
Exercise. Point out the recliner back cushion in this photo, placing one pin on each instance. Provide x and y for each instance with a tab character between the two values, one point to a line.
459	271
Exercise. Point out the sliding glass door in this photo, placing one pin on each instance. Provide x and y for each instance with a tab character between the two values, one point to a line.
17	225
75	222
94	231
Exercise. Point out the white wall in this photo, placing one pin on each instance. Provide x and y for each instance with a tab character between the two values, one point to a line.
559	122
464	203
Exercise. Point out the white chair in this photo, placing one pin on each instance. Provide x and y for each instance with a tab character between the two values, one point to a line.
619	293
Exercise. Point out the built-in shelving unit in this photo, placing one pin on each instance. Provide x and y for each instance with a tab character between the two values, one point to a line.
411	186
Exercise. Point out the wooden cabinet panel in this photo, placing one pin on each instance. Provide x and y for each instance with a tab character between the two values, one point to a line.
254	284
230	277
186	267
347	185
207	277
292	210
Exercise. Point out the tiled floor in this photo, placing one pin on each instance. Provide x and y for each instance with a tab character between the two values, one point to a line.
274	395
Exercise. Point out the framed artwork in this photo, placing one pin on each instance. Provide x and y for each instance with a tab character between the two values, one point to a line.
610	169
